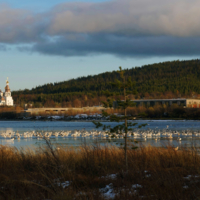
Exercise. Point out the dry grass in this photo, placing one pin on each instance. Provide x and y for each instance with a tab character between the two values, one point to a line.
27	174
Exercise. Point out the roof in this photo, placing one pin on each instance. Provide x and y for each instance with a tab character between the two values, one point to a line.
178	99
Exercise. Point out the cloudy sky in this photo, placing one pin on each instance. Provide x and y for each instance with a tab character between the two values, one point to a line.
55	40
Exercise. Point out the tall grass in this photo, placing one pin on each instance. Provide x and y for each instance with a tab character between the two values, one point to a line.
42	173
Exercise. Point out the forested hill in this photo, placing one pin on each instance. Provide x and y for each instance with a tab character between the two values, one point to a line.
181	77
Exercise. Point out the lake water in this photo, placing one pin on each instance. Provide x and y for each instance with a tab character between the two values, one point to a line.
39	126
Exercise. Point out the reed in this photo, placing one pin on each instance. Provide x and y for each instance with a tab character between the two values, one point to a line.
54	172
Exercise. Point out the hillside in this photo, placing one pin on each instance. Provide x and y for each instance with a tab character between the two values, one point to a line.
176	77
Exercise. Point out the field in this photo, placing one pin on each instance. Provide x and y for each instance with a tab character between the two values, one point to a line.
97	173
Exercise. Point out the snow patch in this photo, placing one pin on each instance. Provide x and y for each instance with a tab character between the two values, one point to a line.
57	117
63	184
108	192
110	176
135	186
191	176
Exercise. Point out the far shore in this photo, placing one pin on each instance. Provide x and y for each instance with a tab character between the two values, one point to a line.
72	119
95	113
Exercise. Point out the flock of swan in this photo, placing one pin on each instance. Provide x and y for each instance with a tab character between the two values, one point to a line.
137	134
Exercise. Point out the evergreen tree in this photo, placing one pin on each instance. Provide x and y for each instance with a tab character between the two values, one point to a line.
121	128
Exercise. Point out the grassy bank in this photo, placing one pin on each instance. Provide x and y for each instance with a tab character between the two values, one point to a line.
98	173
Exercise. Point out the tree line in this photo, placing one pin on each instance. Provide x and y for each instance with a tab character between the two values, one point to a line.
161	80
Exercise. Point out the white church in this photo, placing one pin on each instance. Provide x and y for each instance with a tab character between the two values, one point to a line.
6	98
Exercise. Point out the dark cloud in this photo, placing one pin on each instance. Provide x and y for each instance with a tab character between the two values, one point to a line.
119	27
122	46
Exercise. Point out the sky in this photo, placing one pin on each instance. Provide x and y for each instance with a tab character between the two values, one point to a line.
55	40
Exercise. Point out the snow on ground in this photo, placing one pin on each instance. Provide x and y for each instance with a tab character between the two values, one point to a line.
108	192
63	184
78	116
55	117
146	174
81	116
38	117
188	177
135	186
110	176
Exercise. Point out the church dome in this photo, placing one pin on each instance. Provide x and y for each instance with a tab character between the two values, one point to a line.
7	88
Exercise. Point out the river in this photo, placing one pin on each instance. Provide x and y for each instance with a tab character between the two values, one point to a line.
41	126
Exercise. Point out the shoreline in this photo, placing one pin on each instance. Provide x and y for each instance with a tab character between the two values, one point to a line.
100	120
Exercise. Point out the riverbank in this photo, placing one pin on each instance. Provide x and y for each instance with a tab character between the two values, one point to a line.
98	173
92	118
80	117
95	113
